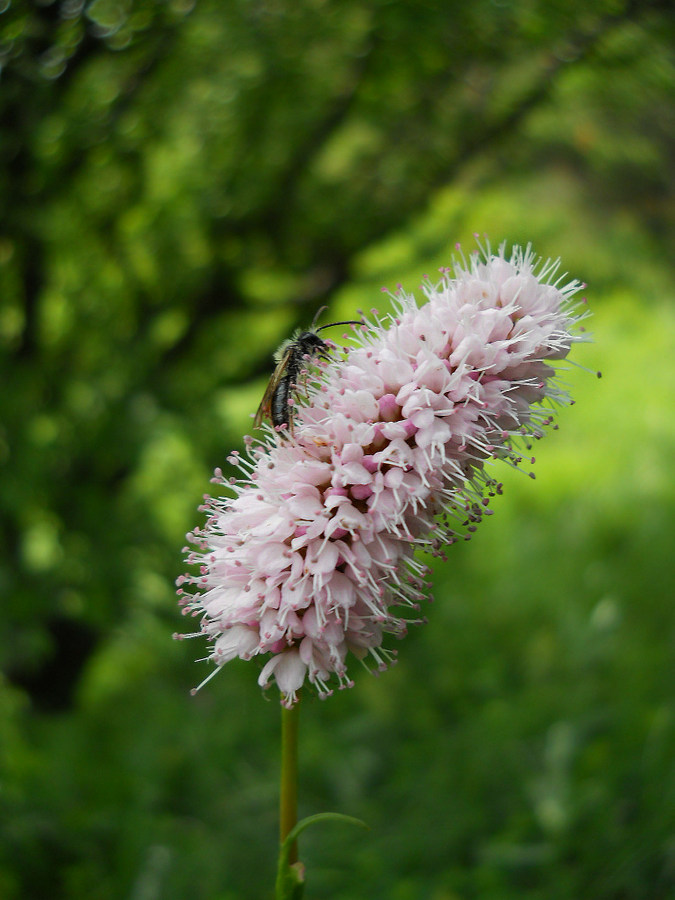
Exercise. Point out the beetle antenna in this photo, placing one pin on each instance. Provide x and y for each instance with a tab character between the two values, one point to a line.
317	317
333	324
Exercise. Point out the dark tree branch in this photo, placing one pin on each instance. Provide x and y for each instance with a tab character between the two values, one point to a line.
583	43
315	141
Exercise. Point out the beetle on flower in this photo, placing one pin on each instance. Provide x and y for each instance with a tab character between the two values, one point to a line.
311	560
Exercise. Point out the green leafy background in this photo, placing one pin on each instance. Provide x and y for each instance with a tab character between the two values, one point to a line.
182	184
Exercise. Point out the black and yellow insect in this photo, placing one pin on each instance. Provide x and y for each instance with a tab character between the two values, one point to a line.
291	358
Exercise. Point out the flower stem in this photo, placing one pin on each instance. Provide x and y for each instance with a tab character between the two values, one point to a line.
288	806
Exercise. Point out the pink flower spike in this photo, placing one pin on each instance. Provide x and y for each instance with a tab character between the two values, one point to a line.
309	563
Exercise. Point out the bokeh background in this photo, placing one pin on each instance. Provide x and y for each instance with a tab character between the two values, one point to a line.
182	184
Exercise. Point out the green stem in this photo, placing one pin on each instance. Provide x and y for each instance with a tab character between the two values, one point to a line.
290	881
288	806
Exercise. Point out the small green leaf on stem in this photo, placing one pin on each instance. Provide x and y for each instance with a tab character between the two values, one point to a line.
291	878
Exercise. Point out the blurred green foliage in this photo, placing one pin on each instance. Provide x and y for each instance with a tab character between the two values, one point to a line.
182	184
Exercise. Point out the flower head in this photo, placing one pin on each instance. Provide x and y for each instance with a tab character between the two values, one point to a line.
311	559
